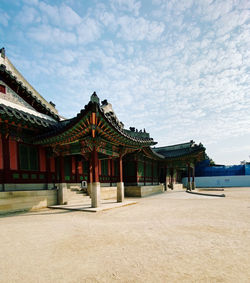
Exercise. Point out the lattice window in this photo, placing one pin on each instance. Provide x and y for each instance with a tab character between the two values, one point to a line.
28	156
104	167
67	168
140	168
85	167
149	169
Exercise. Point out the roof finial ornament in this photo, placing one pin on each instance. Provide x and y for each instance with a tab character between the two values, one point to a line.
94	98
2	51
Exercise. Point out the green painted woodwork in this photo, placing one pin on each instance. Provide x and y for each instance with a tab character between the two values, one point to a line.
25	176
28	156
75	148
155	170
67	168
116	171
129	169
140	168
85	167
57	163
15	176
33	176
104	167
149	169
41	176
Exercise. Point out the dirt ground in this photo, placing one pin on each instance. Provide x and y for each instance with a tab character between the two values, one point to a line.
170	237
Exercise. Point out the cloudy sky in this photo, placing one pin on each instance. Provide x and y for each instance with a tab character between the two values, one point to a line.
179	68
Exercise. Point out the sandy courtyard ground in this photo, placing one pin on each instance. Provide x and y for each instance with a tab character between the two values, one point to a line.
170	237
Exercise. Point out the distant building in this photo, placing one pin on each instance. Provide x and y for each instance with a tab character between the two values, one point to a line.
221	175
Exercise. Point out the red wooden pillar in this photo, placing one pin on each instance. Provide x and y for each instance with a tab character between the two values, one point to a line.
6	160
120	169
145	168
189	183
1	153
166	176
90	170
110	171
13	154
136	171
62	175
42	159
77	170
95	165
188	172
73	169
47	173
152	172
193	176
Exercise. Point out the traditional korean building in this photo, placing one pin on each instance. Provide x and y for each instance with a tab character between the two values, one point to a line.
41	151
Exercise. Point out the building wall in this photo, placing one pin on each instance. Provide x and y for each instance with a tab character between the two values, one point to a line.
11	96
220	181
143	191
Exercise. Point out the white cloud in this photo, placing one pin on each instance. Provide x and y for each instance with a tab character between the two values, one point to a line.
139	29
187	68
28	15
126	5
88	31
31	2
4	18
49	35
69	16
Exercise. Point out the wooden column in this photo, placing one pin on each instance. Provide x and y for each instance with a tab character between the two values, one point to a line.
188	182
171	177
95	187
152	172
90	170
193	177
62	175
120	184
188	172
95	164
136	170
77	170
6	160
109	171
144	168
166	176
48	174
120	169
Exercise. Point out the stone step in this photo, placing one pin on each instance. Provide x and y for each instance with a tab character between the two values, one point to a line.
79	200
79	197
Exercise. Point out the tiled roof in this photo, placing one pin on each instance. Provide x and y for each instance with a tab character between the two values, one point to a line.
29	94
22	117
179	150
94	106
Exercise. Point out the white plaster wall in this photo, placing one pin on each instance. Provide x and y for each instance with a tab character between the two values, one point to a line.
220	181
9	66
12	96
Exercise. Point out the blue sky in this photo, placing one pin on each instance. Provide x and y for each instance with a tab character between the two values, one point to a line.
180	68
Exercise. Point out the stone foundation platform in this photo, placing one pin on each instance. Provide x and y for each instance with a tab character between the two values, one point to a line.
143	191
